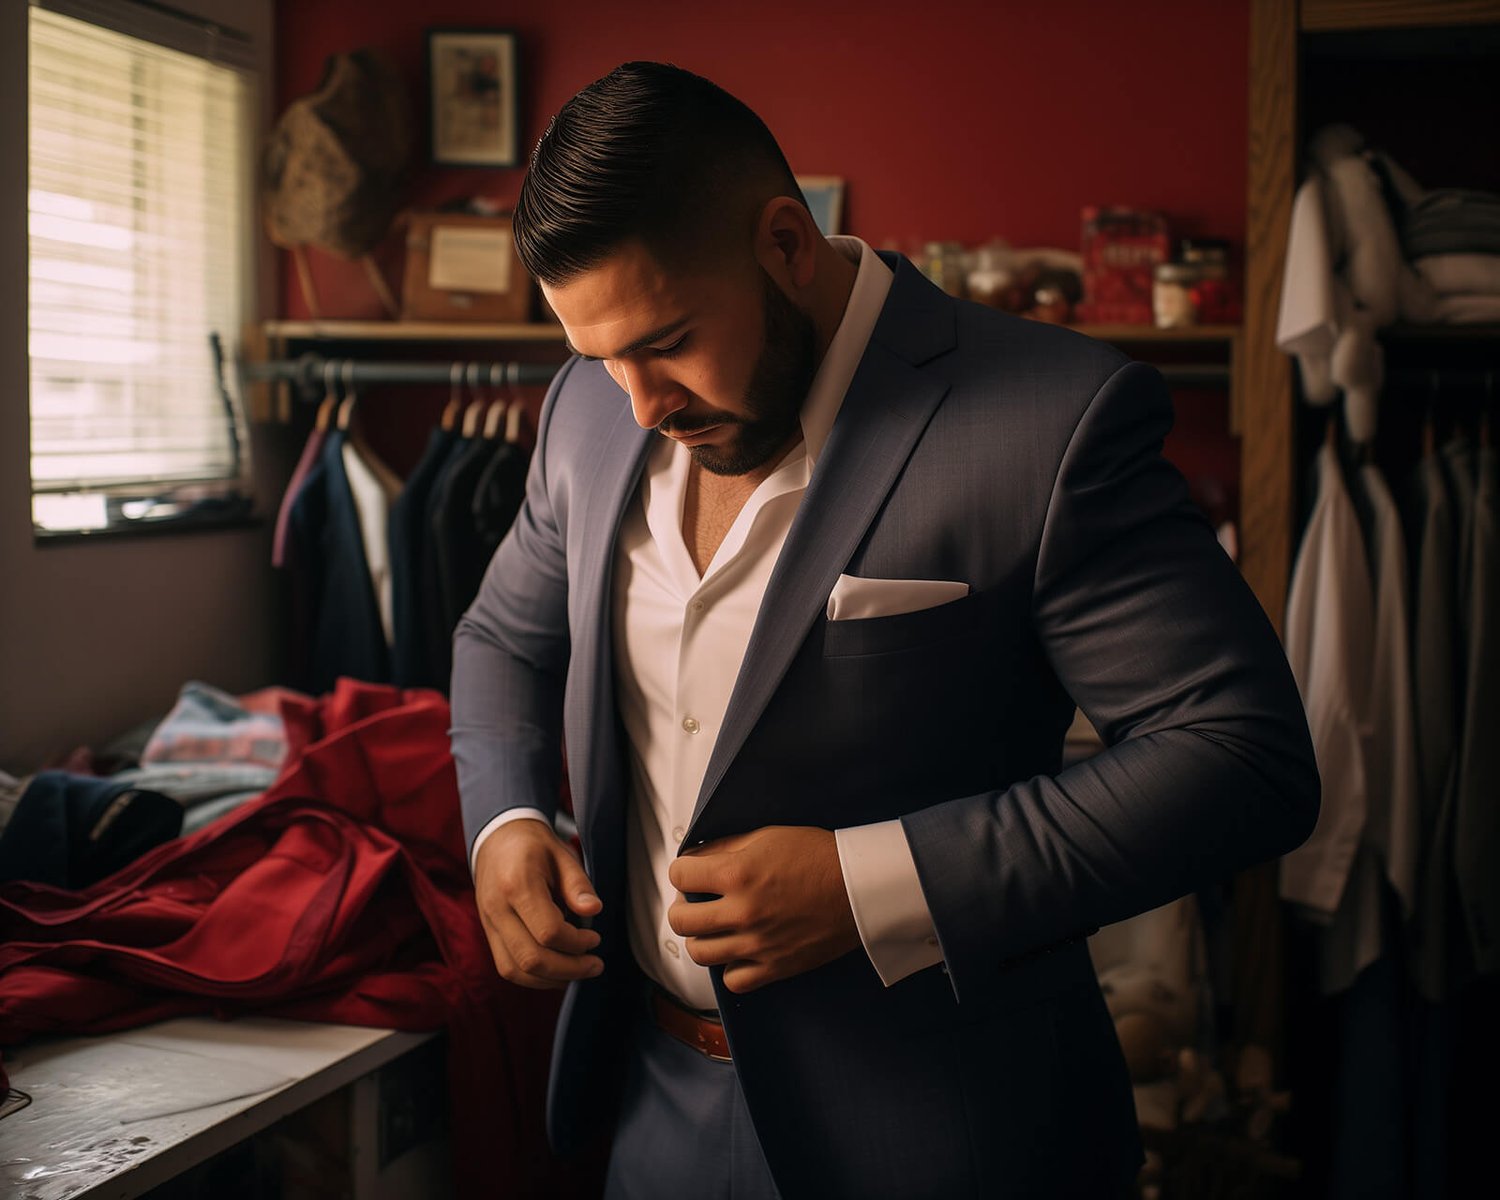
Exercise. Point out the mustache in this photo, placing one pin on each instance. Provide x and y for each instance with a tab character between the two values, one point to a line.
686	426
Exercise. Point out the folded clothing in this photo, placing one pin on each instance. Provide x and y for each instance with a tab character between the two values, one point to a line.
1468	310
74	830
1452	221
210	726
341	894
1461	274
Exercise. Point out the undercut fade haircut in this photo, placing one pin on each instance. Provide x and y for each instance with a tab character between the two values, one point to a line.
652	152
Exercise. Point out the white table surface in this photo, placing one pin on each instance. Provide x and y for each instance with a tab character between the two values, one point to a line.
116	1115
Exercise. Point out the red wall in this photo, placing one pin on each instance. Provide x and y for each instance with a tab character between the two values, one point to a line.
949	120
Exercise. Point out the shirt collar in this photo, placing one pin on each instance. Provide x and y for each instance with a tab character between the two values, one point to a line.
872	284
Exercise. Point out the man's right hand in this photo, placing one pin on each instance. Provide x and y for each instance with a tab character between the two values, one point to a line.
522	872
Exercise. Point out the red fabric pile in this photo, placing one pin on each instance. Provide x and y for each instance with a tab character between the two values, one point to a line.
343	895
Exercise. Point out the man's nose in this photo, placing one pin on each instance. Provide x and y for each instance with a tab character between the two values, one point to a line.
653	396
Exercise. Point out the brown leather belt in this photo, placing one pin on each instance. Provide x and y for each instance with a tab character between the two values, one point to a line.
703	1034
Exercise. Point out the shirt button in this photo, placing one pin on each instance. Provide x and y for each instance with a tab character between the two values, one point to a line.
671	947
690	724
677	832
697	606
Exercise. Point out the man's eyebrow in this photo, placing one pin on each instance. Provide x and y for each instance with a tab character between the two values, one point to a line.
640	343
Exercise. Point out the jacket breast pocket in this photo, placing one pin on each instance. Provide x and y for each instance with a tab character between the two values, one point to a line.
906	632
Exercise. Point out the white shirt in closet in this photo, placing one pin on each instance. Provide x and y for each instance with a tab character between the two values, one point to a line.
679	640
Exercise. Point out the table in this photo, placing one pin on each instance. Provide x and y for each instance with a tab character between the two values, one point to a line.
114	1116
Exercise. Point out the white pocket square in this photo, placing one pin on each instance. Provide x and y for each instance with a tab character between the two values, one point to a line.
854	599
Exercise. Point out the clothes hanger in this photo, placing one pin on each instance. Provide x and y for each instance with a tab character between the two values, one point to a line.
346	408
498	406
517	417
475	412
455	398
330	402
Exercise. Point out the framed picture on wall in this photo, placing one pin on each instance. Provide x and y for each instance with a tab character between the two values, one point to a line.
471	80
825	200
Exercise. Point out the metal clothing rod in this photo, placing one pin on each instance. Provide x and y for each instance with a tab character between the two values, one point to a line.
313	374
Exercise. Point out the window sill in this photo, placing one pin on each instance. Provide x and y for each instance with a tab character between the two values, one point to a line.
214	522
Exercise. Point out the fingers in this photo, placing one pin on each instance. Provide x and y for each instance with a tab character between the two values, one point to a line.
506	965
747	976
546	925
703	918
533	961
700	872
716	951
521	872
573	883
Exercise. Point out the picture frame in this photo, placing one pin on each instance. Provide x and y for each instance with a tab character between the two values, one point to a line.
825	200
473	97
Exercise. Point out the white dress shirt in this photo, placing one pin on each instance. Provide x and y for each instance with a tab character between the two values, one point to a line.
679	639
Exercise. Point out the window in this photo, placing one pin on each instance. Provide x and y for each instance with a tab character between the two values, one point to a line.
139	188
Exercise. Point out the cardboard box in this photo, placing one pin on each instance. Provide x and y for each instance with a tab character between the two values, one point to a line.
463	268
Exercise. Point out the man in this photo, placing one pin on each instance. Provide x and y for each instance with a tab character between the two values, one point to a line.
814	564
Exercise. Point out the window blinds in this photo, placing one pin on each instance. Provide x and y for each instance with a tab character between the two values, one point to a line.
139	218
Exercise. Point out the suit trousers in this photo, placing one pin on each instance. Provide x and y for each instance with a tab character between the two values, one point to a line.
684	1130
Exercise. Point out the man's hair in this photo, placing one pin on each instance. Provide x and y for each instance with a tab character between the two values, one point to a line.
651	152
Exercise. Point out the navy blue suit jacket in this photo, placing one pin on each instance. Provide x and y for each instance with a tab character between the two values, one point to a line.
1025	460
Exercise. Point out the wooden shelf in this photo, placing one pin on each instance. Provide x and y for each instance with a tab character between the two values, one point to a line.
1328	15
412	331
1406	334
1185	335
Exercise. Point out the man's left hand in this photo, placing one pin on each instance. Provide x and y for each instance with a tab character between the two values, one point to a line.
782	907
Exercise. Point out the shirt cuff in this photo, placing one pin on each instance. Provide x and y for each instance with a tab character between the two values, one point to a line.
509	815
885	895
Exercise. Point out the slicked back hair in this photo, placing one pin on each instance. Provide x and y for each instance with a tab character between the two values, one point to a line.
652	152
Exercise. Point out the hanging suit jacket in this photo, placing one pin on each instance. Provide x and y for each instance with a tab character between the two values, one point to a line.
1476	832
1435	968
1023	460
344	630
411	599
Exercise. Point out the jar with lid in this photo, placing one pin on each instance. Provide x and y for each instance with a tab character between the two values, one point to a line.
990	276
943	263
1214	298
1172	294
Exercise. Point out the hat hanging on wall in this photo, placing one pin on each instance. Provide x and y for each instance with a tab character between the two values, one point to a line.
335	165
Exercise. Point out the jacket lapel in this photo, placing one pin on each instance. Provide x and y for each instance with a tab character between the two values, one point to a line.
888	404
589	718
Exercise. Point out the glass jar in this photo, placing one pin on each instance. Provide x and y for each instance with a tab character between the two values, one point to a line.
1214	299
990	277
943	263
1172	294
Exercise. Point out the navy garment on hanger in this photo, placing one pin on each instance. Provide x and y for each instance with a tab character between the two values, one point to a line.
436	632
345	633
411	600
459	557
499	495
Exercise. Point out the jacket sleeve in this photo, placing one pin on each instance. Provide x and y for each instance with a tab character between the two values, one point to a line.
1208	767
510	660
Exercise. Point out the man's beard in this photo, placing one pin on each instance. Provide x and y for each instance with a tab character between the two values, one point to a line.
773	400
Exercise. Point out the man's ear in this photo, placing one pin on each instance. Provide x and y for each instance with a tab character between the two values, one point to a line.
786	243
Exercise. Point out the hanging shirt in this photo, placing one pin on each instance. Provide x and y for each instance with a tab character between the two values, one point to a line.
372	501
1330	625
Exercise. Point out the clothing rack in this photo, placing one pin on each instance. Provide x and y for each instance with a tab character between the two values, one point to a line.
312	376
